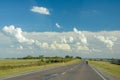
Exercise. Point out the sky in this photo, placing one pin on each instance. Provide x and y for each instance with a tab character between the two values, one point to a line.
86	28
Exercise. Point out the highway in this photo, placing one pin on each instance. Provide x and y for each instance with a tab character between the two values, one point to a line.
78	71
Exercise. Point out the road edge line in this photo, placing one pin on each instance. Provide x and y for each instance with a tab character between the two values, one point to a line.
98	73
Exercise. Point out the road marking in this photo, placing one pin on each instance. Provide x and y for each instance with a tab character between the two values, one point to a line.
63	73
98	73
51	76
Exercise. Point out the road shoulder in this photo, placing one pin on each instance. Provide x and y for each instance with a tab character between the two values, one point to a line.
105	74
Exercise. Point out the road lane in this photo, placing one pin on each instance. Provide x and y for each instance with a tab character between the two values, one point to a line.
78	71
81	72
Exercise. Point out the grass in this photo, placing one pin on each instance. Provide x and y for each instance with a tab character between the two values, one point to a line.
113	69
20	70
10	63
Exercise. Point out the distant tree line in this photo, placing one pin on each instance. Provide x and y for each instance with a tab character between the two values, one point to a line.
42	56
29	60
112	61
115	61
55	59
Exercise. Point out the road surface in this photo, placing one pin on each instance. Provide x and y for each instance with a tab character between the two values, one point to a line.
79	71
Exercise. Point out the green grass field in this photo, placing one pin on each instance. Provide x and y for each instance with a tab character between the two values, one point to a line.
13	67
113	69
10	64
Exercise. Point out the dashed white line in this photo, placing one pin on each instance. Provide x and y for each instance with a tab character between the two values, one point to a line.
63	73
69	70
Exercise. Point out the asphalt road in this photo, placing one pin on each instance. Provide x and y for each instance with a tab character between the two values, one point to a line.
79	71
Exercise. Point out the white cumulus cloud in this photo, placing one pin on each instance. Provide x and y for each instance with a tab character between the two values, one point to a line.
96	50
75	30
85	48
109	41
40	10
97	44
20	47
45	45
82	47
81	36
17	34
63	40
58	25
71	39
61	46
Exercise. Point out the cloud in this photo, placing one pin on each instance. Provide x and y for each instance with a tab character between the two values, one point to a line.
42	44
81	36
97	44
75	30
45	45
63	40
109	41
81	47
85	48
95	50
20	47
38	43
40	10
71	39
61	46
57	25
17	34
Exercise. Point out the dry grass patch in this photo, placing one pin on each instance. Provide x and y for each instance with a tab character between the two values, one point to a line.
106	66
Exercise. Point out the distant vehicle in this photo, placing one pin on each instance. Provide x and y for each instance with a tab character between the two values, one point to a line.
86	62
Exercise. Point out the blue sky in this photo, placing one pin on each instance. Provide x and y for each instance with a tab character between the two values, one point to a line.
89	15
59	28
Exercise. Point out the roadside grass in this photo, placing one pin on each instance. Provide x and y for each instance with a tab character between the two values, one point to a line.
21	70
113	69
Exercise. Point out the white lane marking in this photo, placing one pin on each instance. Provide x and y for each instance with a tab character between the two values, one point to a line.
63	73
69	69
53	75
98	73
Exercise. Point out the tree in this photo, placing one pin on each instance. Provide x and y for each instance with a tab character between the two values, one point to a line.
28	57
67	56
78	57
